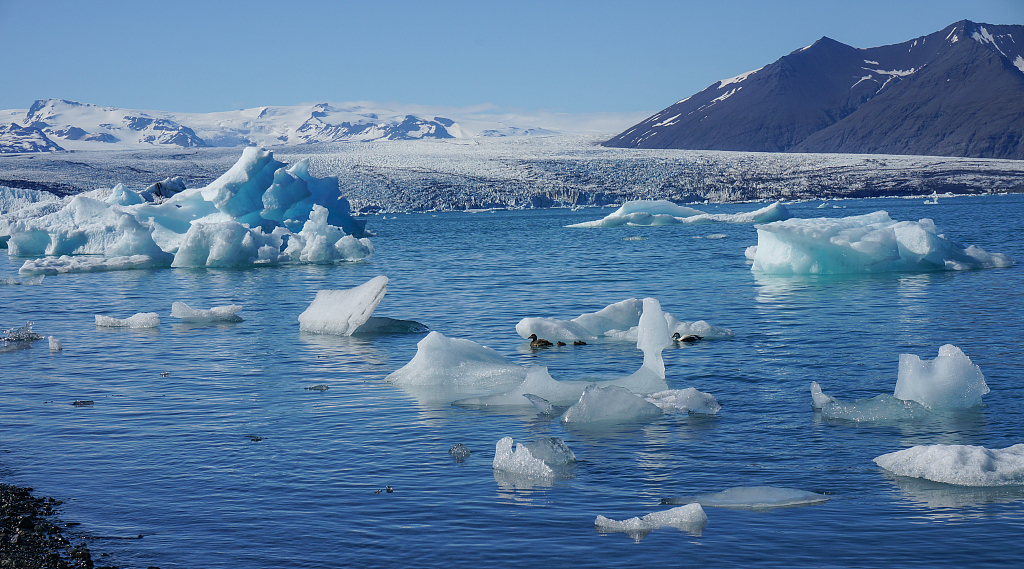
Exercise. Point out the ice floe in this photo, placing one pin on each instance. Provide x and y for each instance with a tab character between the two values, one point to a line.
949	382
609	405
140	320
689	518
542	459
456	365
870	243
618	321
197	315
260	212
752	498
963	465
341	312
664	212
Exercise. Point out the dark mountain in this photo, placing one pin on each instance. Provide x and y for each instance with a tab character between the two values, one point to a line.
956	92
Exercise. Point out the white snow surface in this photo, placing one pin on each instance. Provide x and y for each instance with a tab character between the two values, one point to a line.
868	243
950	381
690	518
664	212
963	465
140	320
259	212
342	312
753	498
216	314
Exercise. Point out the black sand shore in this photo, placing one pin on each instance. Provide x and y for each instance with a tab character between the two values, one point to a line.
30	536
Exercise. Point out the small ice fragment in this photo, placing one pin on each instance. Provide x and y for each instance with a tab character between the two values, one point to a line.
23	334
689	518
140	320
819	399
520	461
321	388
459	452
216	314
542	405
341	312
81	402
963	465
553	451
752	498
55	345
950	381
687	400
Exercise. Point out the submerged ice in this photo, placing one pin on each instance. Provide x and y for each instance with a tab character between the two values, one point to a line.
870	243
664	212
753	498
260	212
963	465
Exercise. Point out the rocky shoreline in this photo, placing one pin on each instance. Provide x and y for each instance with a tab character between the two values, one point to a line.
31	537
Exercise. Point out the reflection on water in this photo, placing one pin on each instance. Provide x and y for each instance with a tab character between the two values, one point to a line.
949	502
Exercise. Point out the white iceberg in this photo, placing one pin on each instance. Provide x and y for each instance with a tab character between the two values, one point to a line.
55	344
652	339
690	518
818	398
663	212
963	465
520	461
341	312
753	498
950	381
870	243
259	212
457	366
618	321
216	314
140	320
609	405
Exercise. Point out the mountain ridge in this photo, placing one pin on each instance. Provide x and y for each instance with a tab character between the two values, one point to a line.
955	92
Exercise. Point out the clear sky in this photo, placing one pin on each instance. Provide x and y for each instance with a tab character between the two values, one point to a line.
570	56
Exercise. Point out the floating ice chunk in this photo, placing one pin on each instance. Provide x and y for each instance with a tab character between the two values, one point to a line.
23	334
55	345
617	321
215	314
690	518
520	461
663	212
610	405
553	451
963	465
868	243
950	381
687	400
819	399
87	264
878	408
140	320
341	312
458	365
543	405
753	498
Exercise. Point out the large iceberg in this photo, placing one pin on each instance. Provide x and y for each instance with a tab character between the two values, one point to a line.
618	321
870	243
664	212
260	212
753	498
963	465
690	518
950	381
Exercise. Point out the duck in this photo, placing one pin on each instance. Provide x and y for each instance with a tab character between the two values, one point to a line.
559	343
536	342
579	343
687	339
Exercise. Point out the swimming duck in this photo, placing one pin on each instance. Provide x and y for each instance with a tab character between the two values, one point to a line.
687	339
536	342
559	343
579	343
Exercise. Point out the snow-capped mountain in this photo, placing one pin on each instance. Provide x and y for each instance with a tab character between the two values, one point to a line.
57	124
956	92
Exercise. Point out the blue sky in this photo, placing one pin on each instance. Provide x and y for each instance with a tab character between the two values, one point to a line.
567	56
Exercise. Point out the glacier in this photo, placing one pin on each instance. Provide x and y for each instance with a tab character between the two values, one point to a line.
260	212
870	243
664	212
962	465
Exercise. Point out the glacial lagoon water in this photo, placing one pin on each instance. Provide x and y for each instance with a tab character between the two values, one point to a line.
203	439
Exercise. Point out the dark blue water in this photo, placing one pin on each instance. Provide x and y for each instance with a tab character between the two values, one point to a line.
173	458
